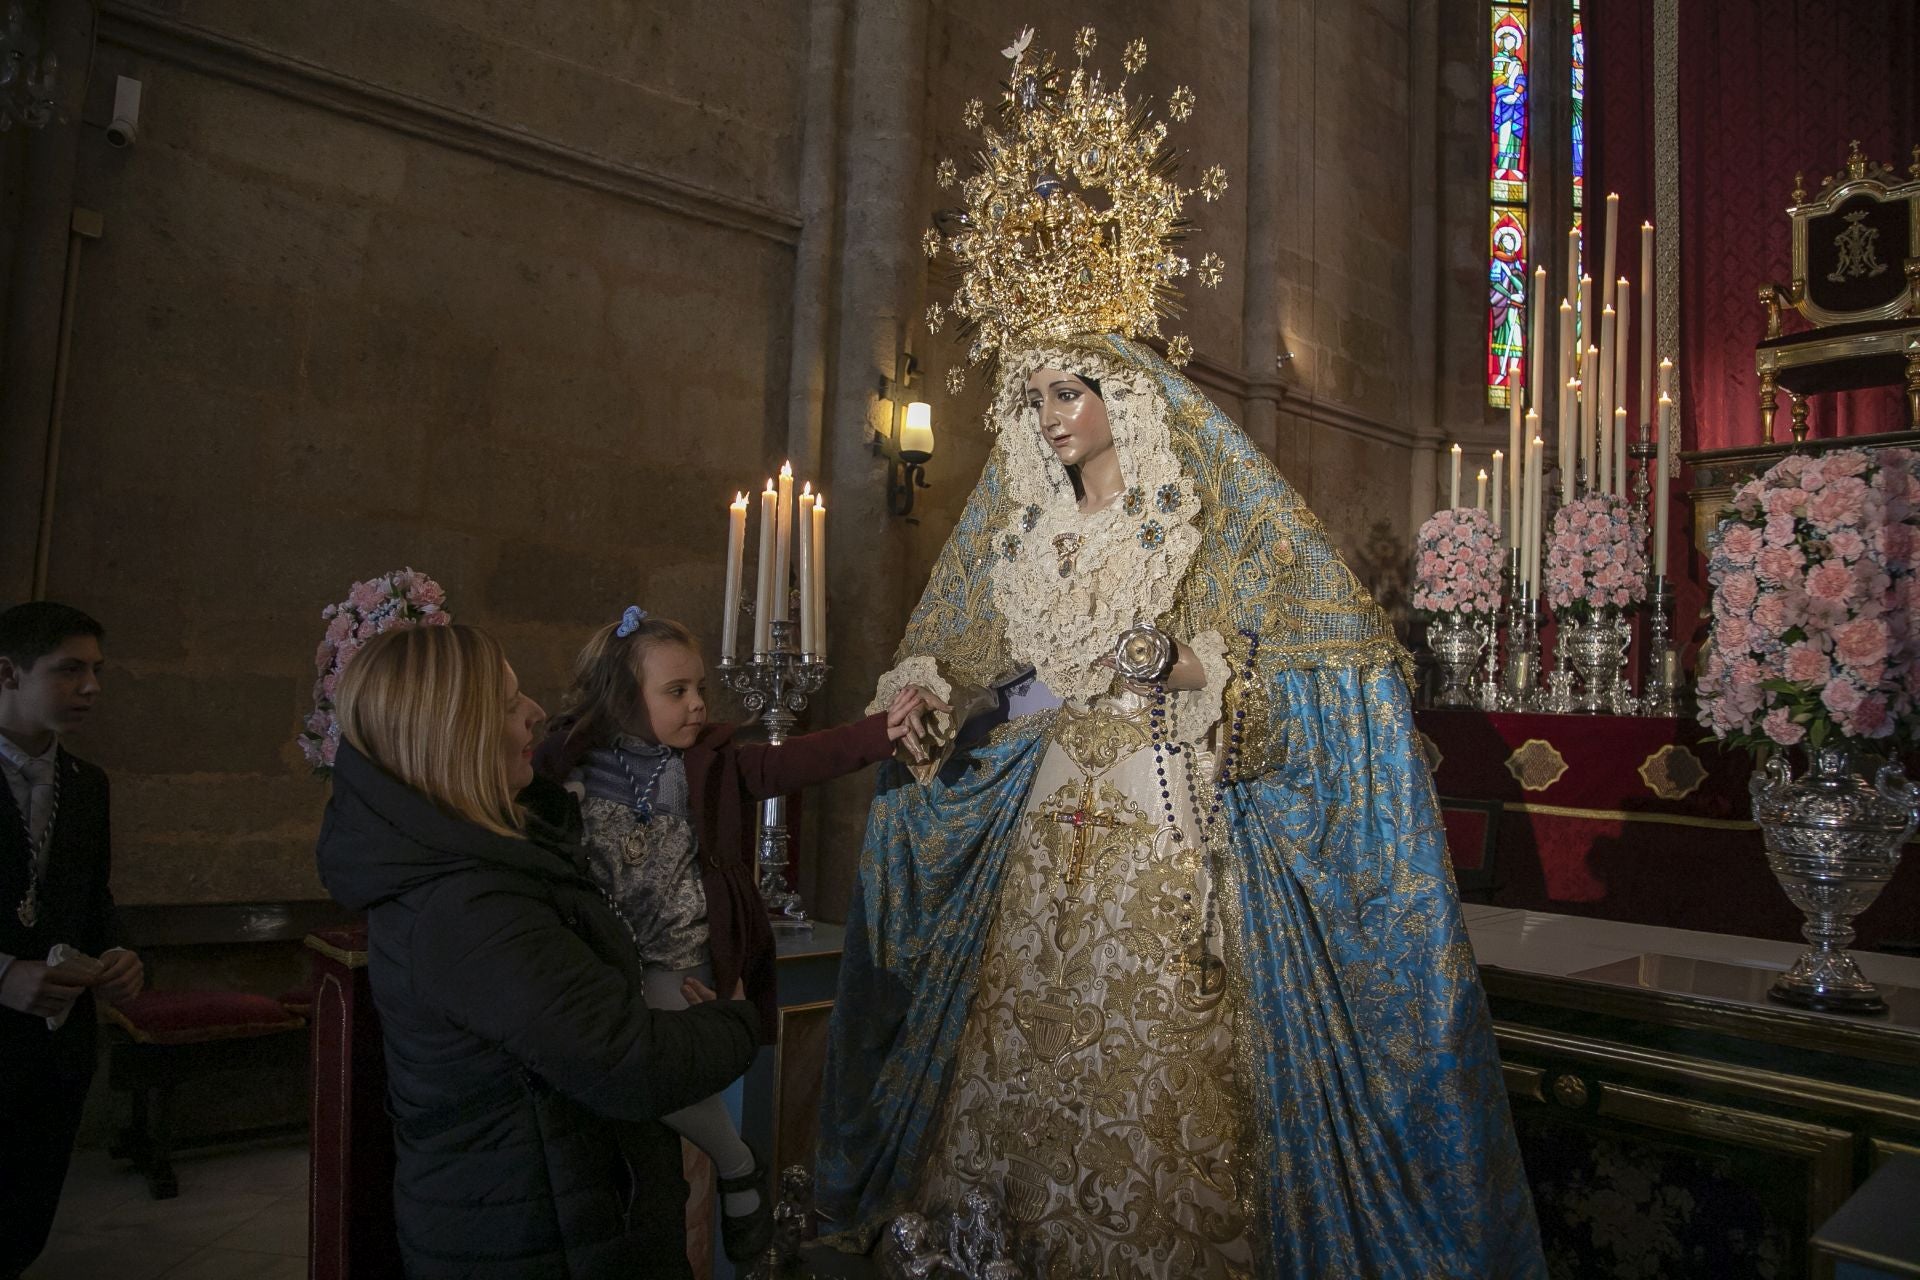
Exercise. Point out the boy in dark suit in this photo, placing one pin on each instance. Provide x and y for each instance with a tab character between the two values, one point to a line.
54	863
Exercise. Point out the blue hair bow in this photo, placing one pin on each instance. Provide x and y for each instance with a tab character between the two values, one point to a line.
630	621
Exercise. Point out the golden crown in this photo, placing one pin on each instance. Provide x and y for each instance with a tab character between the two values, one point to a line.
1072	212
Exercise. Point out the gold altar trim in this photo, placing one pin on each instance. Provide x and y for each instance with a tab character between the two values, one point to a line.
1536	764
1773	1085
1768	1023
1673	772
1622	815
339	955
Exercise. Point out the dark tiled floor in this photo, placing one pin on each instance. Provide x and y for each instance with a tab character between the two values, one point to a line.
241	1215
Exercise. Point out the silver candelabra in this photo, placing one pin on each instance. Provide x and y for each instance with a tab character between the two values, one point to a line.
774	687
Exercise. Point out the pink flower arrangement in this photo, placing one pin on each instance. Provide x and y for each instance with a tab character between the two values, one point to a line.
1596	559
402	598
1457	564
1813	636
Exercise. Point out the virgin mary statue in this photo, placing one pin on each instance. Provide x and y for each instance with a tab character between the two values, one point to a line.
1173	968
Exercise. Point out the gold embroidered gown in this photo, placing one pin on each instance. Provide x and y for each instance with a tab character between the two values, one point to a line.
1094	1084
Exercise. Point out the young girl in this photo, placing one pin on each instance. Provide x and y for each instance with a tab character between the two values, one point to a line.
668	804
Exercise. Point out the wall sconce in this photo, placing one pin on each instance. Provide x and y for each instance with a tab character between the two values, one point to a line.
910	447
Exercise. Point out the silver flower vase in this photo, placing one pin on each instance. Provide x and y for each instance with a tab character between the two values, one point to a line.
1833	840
1456	644
1594	650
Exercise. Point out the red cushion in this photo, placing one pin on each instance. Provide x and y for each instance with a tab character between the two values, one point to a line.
188	1017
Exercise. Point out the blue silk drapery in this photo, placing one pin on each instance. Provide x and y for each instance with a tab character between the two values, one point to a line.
1376	1137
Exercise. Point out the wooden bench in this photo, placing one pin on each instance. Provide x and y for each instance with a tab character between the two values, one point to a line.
191	1025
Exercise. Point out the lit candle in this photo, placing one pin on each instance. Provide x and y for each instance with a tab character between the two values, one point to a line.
1536	356
1622	343
1603	399
1514	414
1619	437
763	590
1499	463
1660	488
1480	489
1589	418
730	603
1587	314
1453	494
783	545
805	557
1613	237
1573	264
1666	379
1536	464
820	576
1569	411
1646	325
1566	346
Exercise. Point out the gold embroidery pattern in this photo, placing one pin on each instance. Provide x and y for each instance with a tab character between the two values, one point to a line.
1096	1085
1536	765
1673	772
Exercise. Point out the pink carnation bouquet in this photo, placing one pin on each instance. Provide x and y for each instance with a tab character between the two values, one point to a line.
402	598
1457	563
1813	635
1596	559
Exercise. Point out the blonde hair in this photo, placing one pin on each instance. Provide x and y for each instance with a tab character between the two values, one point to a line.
606	694
429	705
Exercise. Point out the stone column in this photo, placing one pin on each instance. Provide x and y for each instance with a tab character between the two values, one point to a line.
1260	316
1423	235
883	181
33	315
813	256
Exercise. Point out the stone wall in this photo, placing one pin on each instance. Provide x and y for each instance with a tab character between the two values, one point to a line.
519	293
497	291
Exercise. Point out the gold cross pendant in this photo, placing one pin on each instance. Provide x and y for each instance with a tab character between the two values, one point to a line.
1085	820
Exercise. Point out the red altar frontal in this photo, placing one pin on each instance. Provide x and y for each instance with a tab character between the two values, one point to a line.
1621	817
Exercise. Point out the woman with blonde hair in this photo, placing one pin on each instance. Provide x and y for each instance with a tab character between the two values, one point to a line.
526	1076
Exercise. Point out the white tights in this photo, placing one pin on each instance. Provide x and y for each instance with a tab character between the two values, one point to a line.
706	1123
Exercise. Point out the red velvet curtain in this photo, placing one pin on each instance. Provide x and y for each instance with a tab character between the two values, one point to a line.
1768	88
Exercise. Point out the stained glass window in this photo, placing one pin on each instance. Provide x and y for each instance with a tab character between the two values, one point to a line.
1509	162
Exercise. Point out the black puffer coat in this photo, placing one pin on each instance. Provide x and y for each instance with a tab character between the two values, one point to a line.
525	1075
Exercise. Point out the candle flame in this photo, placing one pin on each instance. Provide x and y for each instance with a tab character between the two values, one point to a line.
1498	454
786	470
769	486
1483	474
806	490
1538	442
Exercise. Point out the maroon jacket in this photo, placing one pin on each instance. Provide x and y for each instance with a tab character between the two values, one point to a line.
724	781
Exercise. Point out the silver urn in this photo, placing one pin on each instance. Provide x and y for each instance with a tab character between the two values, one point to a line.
1457	644
1833	840
1594	650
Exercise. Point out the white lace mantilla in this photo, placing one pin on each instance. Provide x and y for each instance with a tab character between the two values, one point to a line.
1065	613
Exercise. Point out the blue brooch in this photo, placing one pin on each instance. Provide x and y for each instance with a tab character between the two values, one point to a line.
1167	498
1010	546
1152	536
1135	502
1031	518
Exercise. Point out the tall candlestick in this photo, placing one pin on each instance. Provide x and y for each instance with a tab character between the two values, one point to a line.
783	544
1645	407
730	602
1499	462
1453	492
820	575
1660	488
1480	489
804	544
763	584
1613	238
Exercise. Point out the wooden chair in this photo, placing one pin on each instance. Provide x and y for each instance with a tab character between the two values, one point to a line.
1856	281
